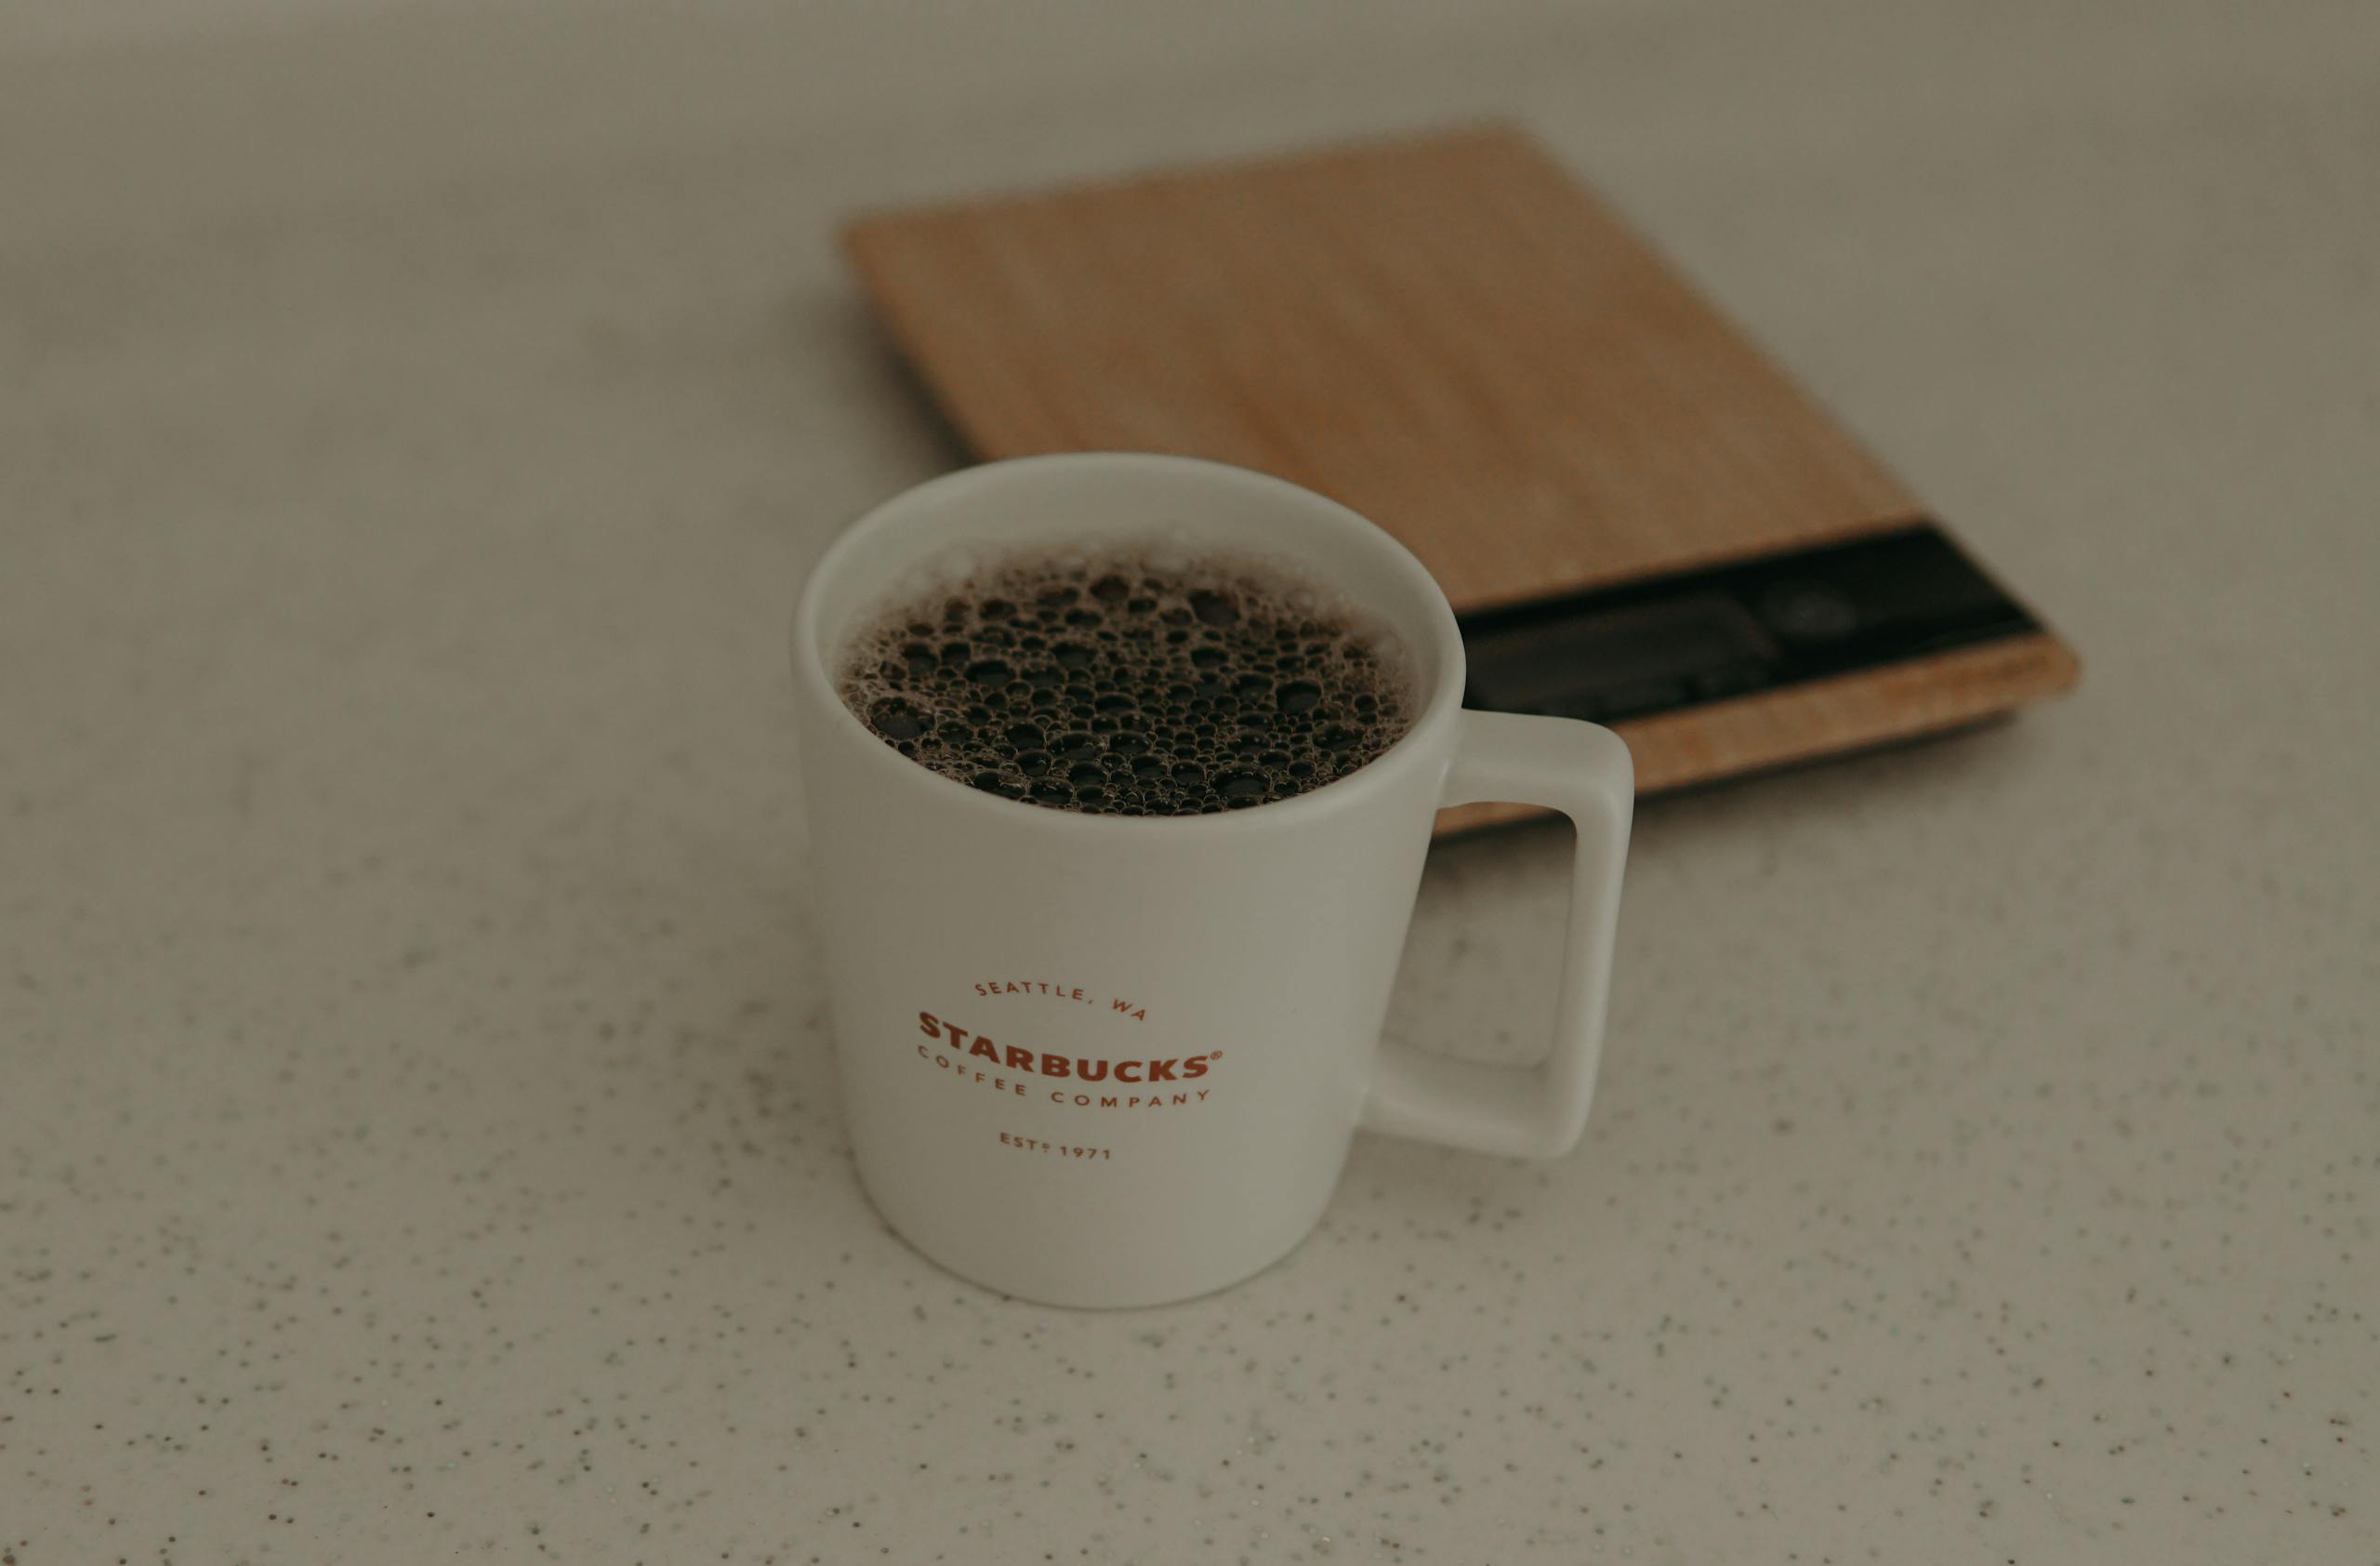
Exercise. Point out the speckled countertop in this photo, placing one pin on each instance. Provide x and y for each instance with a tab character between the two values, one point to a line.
418	1139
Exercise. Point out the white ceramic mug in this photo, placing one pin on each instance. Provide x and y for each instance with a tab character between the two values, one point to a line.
1105	1061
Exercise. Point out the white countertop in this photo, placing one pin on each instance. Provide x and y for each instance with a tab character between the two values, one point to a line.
419	1136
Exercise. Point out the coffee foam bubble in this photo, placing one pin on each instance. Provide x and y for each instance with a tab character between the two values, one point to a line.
1146	679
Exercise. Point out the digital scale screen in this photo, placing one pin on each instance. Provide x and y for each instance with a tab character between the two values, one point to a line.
1655	645
1606	660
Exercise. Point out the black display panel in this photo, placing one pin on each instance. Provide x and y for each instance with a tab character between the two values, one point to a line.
1699	636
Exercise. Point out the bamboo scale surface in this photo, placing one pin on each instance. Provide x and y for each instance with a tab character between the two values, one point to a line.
1453	337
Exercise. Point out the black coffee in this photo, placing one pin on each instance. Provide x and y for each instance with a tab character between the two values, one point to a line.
1118	684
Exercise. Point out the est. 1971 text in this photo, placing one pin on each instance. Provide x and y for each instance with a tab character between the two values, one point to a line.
1035	1145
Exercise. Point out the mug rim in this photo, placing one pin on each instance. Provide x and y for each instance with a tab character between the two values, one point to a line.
1436	714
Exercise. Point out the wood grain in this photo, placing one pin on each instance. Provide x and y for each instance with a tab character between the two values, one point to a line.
1449	336
1453	337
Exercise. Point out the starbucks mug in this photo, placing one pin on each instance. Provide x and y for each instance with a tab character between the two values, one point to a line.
1106	1060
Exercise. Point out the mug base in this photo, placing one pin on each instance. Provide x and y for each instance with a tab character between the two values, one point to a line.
1104	1295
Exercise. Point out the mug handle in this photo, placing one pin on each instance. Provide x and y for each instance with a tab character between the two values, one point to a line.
1585	772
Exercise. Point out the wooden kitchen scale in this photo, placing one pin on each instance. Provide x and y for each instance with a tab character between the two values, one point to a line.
1639	519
